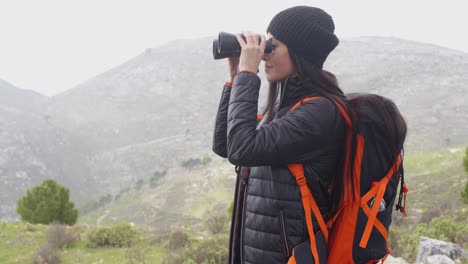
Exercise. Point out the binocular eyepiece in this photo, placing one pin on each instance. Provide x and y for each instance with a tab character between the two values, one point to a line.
227	46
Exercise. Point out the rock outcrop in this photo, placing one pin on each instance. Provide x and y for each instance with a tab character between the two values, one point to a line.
433	251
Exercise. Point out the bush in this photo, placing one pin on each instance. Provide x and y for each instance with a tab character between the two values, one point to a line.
122	235
216	223
191	163
135	255
121	193
89	207
465	160
230	209
94	205
47	254
46	203
440	208
153	181
139	184
58	236
206	160
31	228
178	240
159	235
442	228
464	194
213	250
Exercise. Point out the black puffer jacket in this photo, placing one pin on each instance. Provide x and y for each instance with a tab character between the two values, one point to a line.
272	217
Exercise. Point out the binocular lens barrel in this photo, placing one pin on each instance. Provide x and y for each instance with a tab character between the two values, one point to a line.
227	46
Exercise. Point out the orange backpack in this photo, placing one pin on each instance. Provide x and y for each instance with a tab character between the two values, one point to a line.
358	232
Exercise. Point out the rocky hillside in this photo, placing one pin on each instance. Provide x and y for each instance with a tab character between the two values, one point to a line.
427	82
32	149
166	91
157	110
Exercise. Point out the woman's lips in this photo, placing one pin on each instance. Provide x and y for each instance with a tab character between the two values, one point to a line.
267	68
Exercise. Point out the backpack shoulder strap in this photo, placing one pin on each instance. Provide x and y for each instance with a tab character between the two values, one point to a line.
308	202
303	101
343	112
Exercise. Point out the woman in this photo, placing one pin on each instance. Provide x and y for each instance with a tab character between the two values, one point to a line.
269	217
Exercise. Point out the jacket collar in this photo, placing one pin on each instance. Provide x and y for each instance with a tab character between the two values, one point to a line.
292	91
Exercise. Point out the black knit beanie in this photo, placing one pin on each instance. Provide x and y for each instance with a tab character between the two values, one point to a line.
308	31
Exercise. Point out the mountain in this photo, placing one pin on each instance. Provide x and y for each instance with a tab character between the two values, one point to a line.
427	82
13	99
32	149
173	89
156	112
162	92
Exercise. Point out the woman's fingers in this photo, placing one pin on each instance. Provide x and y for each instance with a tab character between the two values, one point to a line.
253	47
240	40
251	37
262	43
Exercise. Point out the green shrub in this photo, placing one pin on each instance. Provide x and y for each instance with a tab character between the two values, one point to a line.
94	205
212	250
464	194
46	203
135	255
191	163
443	228
216	222
190	261
177	241
58	236
153	181
230	209
206	160
122	235
465	160
47	254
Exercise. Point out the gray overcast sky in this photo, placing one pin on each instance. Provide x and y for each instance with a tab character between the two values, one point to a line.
52	45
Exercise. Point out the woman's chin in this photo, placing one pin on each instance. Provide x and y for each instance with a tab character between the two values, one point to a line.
271	78
274	78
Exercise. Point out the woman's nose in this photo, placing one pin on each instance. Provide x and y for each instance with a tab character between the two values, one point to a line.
266	57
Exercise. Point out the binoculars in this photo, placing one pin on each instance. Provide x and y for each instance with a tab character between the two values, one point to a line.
227	46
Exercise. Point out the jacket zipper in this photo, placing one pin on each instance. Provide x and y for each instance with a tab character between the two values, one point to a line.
283	236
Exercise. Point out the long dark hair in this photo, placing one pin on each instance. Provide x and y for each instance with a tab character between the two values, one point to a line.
316	80
313	79
367	107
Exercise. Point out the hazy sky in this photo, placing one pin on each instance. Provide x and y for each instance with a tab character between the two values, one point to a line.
50	46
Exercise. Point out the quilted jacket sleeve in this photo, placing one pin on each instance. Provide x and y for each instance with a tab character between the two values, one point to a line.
220	129
299	136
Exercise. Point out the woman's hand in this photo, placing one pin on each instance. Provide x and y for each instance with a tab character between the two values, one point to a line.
252	51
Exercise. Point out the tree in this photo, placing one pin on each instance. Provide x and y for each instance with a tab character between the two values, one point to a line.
46	203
